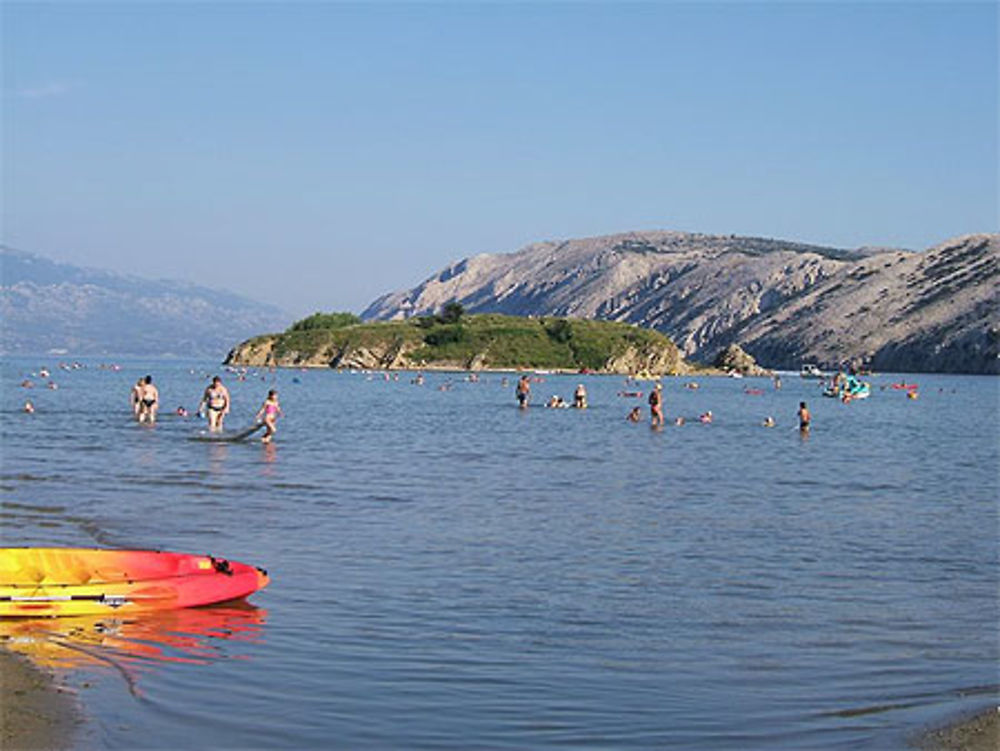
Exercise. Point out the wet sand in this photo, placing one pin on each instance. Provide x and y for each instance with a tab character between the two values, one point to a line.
979	732
34	713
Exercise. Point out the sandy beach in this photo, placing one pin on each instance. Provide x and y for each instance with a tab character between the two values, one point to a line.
978	732
34	713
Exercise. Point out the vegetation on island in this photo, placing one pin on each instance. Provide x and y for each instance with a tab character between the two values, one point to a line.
455	339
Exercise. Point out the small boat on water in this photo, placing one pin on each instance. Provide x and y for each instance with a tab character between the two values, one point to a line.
848	388
810	370
84	581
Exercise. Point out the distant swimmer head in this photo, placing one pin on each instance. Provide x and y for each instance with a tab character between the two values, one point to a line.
29	407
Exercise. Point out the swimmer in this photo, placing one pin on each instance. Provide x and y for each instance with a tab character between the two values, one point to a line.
149	401
580	397
216	401
635	415
768	422
679	421
656	406
270	411
29	407
804	417
181	412
706	417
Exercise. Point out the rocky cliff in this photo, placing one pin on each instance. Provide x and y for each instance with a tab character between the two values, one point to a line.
783	302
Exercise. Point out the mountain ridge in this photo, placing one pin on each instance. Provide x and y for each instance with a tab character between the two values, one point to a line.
709	291
51	306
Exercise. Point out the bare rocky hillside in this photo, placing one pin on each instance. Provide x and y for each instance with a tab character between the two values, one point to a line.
783	302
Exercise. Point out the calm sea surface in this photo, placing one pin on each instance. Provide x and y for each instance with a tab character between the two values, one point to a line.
449	572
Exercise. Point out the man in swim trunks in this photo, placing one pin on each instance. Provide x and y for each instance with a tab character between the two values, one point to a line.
523	392
215	401
149	401
656	406
804	417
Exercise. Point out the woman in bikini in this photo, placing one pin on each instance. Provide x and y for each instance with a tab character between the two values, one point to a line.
149	401
215	401
656	406
269	412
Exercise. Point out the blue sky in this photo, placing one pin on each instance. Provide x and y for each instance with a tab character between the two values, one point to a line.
315	155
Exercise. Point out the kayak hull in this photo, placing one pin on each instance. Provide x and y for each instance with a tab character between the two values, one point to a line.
41	582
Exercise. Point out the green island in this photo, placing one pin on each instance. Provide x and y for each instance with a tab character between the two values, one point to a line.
454	340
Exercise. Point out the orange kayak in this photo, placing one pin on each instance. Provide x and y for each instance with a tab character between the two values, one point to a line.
83	581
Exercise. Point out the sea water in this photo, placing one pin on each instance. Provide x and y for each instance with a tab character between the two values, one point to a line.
451	572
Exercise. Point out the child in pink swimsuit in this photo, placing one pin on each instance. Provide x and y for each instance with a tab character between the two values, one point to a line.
269	412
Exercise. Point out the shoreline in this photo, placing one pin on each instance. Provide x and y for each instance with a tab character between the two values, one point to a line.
34	712
976	731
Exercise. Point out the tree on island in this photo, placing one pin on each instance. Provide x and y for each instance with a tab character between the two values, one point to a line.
452	313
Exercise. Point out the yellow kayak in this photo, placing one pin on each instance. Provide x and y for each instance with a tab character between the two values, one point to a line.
86	581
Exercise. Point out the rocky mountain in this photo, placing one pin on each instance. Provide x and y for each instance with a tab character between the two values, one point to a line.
782	302
48	306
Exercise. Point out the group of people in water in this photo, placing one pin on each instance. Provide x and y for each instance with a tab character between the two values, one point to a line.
522	392
215	404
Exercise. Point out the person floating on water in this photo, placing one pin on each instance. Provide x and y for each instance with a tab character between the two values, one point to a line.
706	417
556	402
635	415
768	422
804	417
29	407
269	412
216	401
656	406
149	401
580	397
523	391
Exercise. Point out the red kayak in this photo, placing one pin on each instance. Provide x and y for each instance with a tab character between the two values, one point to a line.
86	581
